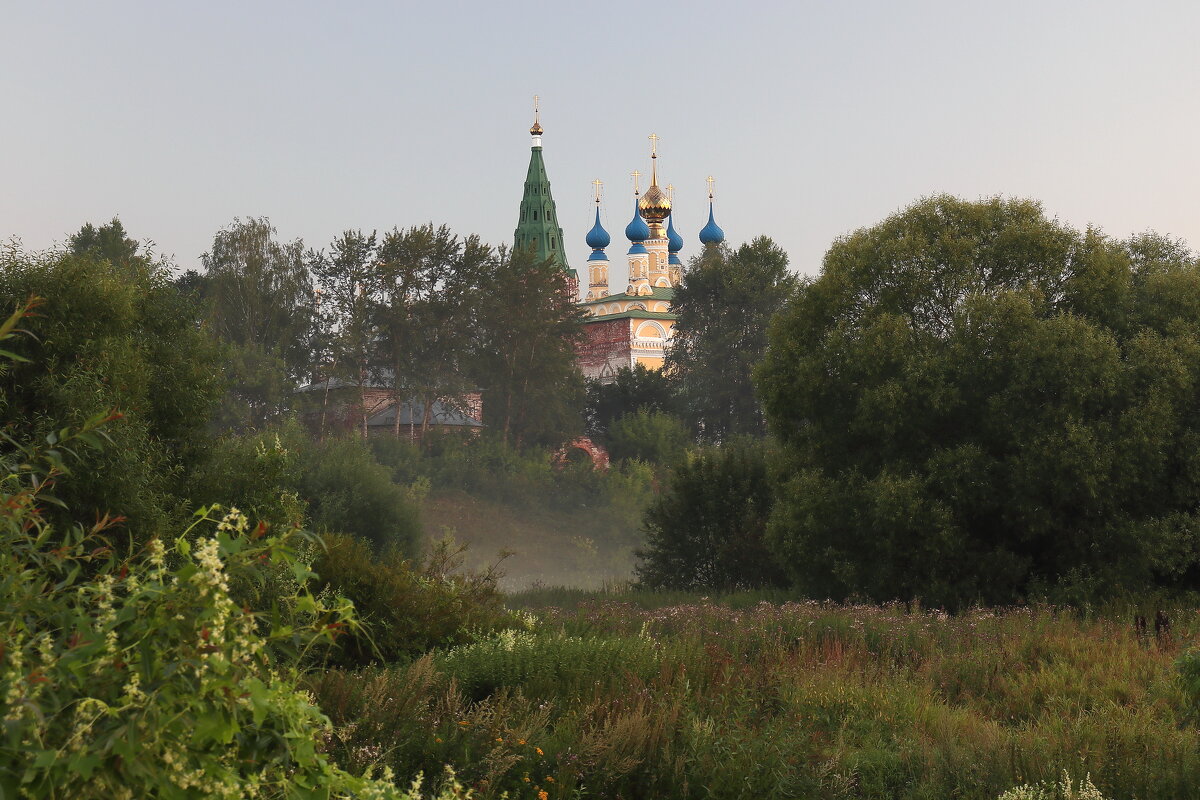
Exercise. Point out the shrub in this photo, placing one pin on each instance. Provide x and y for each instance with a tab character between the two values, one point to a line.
349	492
705	531
408	607
650	436
112	337
139	676
334	486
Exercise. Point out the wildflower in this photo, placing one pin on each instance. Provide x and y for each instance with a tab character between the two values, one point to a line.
463	722
538	750
549	779
543	794
437	739
500	739
520	741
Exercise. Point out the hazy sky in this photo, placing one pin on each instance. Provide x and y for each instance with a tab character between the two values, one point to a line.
815	118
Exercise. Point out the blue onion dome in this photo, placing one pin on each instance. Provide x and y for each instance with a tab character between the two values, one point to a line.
710	233
597	237
674	240
637	230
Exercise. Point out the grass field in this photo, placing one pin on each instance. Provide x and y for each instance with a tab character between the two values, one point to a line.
674	696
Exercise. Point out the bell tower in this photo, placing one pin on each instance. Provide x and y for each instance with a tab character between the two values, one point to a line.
537	228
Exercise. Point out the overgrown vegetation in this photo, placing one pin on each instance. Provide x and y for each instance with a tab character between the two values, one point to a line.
972	403
660	696
980	404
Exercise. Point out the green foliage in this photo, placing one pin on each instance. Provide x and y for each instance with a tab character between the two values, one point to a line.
623	696
259	293
980	404
258	473
725	302
705	530
138	675
650	436
542	664
407	607
348	491
107	243
112	337
334	486
630	390
533	391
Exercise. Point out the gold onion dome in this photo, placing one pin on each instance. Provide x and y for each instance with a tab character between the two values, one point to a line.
536	130
655	205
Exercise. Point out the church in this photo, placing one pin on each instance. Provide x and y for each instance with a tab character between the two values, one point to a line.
632	326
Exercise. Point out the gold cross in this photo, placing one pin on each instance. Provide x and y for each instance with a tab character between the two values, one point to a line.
654	137
635	175
535	108
710	180
671	192
597	184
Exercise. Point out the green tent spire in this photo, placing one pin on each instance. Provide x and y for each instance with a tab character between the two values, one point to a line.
538	226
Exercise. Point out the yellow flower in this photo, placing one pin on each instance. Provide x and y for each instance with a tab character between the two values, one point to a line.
520	741
539	751
437	739
549	779
463	722
543	795
527	779
500	739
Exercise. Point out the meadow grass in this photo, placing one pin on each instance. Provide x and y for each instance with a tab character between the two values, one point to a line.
670	696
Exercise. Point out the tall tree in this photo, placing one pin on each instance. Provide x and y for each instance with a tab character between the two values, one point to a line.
111	337
260	301
108	242
630	391
526	351
725	303
978	403
349	287
261	292
432	289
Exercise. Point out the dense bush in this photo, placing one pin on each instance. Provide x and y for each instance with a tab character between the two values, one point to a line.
137	675
407	607
112	336
333	486
980	404
348	491
705	530
628	392
650	436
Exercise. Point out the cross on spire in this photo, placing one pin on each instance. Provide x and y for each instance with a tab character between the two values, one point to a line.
635	175
597	184
710	180
535	108
671	192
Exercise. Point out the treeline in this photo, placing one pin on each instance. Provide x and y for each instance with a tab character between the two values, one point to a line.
421	312
972	403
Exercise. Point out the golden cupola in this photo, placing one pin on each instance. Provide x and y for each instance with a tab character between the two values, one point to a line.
655	205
